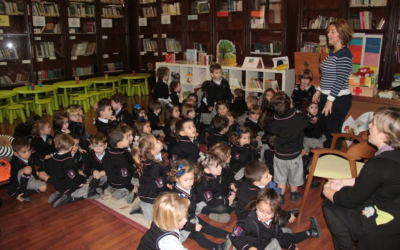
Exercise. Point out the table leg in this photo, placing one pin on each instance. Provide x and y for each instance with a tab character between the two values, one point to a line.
146	86
56	106
65	98
113	86
94	86
129	92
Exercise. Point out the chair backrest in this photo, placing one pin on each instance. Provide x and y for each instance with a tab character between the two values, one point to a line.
362	150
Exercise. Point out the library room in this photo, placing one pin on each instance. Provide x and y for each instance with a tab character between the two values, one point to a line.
200	124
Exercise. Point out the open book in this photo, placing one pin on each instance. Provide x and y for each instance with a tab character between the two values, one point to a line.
355	127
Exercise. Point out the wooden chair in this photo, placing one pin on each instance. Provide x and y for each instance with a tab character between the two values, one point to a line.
336	164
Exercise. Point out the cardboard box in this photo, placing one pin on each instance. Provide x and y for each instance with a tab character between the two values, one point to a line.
369	81
363	91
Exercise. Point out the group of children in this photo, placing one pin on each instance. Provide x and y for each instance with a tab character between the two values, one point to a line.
124	156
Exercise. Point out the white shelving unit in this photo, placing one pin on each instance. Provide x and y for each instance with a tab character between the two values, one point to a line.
192	77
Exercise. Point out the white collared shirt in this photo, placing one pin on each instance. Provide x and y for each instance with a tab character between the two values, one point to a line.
26	161
44	137
103	120
100	157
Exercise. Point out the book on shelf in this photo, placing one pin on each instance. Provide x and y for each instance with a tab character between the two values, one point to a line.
172	45
89	27
45	9
5	80
11	8
22	77
202	57
273	48
191	56
112	11
171	9
150	11
147	1
51	28
255	84
113	1
46	50
273	84
113	67
230	6
189	76
311	47
170	58
175	76
83	48
88	70
322	22
200	7
50	74
225	74
81	10
150	45
367	3
150	66
9	54
235	83
381	24
200	47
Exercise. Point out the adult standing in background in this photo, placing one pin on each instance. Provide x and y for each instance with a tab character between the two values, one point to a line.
333	92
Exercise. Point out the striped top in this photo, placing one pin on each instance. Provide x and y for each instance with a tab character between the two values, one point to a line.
335	71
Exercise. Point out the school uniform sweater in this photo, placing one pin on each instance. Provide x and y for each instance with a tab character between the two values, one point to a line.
251	232
92	163
64	175
161	90
167	132
239	106
215	138
299	96
154	121
289	131
79	158
13	189
216	92
315	132
79	129
41	147
152	182
174	98
23	130
172	144
253	125
192	209
123	116
241	155
155	239
209	189
118	170
185	149
105	127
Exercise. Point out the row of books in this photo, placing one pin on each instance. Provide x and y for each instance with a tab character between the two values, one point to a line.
231	5
113	67
50	74
22	77
88	70
147	1
87	28
11	8
150	11
45	9
83	48
172	45
46	50
255	84
199	7
364	20
81	10
150	45
5	80
113	1
322	22
200	47
204	59
8	54
310	47
173	9
112	11
360	3
273	48
49	28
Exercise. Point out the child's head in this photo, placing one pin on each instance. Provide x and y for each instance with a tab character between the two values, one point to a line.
170	211
216	71
257	173
155	106
305	78
117	138
42	128
21	147
118	101
147	149
232	117
128	131
188	111
254	112
184	173
238	93
271	141
240	136
175	86
221	124
98	143
172	124
77	107
193	97
138	111
104	108
60	122
73	114
267	205
280	103
222	107
142	127
310	107
163	74
185	127
76	143
251	100
269	93
212	164
171	112
222	150
64	143
32	119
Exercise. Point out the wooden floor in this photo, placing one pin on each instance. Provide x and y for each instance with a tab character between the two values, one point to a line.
82	225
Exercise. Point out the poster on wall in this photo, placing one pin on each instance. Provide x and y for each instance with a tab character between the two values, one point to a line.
372	52
356	48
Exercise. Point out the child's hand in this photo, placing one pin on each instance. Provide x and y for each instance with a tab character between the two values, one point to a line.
135	189
113	118
303	152
48	156
210	109
67	131
198	227
96	174
292	218
252	248
81	173
233	187
296	248
169	186
258	137
81	185
102	173
231	198
82	150
162	134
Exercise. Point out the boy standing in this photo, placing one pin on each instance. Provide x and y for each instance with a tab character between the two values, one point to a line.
218	89
118	102
105	120
288	126
23	176
161	92
303	91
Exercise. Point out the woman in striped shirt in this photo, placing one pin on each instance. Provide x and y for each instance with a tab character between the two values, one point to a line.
333	92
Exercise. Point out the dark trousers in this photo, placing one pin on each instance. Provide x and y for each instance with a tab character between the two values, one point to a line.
333	122
220	209
343	226
208	229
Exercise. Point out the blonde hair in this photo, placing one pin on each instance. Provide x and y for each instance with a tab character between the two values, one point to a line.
64	142
168	210
38	126
221	150
186	109
388	122
71	111
141	153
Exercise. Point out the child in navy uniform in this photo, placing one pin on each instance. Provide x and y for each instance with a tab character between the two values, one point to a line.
260	229
152	116
118	101
171	112
79	157
23	173
209	191
137	112
105	120
185	174
221	127
186	148
118	169
64	175
173	141
151	173
25	129
313	138
252	122
239	105
76	126
269	154
169	217
175	89
241	152
60	124
42	144
303	91
160	92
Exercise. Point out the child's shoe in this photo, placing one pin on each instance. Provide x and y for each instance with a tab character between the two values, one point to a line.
130	197
55	196
63	200
314	231
136	209
92	194
223	218
295	196
25	197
